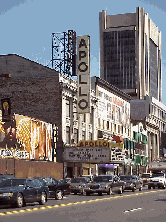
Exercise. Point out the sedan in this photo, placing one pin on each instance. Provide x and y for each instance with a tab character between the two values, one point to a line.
132	182
57	189
78	184
18	192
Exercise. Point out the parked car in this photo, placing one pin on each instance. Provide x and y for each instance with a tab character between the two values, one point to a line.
78	184
132	182
145	178
105	184
57	189
18	192
6	176
157	180
65	180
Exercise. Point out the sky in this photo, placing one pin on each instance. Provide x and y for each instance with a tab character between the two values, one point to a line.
27	26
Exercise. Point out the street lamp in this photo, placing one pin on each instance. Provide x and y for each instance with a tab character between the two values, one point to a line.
89	156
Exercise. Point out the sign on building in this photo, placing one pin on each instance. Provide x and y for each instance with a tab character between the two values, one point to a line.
86	155
83	73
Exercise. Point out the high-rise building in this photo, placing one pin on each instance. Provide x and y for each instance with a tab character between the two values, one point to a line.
130	53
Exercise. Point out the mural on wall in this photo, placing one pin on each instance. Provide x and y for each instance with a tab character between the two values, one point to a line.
27	138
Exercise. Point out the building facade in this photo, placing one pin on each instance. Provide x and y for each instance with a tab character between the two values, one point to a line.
130	53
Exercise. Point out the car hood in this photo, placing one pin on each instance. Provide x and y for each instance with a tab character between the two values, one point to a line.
129	181
98	183
11	189
77	184
157	178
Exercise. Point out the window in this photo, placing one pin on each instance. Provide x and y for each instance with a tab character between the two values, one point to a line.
67	134
114	128
30	183
67	108
84	117
99	124
103	124
37	183
83	135
75	135
75	114
90	136
107	125
119	129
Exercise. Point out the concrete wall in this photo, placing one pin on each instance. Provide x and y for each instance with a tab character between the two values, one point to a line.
27	168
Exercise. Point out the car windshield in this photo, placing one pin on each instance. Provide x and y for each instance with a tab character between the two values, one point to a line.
12	183
102	178
145	175
78	180
50	180
127	177
158	175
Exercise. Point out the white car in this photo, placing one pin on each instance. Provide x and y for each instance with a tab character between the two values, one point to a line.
157	180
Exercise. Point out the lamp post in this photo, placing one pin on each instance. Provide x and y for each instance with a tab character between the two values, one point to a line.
89	156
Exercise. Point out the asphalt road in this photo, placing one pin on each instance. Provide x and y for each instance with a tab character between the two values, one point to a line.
147	205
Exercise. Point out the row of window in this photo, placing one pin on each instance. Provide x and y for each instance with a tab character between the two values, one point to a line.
158	113
75	139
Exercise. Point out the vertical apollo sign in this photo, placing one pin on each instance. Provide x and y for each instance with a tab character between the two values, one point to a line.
83	73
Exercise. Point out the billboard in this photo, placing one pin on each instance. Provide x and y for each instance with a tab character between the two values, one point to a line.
25	138
83	74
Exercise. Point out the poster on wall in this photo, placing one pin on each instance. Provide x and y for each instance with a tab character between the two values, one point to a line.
25	138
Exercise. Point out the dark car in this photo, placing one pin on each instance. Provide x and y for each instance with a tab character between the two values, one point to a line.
132	182
145	177
57	189
105	184
65	180
18	192
6	176
78	184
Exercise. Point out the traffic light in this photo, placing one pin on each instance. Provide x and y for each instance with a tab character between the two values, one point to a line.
6	110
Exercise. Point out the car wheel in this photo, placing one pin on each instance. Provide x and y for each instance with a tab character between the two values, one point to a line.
99	193
120	190
87	193
134	188
140	189
164	186
149	187
75	193
58	195
19	200
109	192
83	192
43	198
153	187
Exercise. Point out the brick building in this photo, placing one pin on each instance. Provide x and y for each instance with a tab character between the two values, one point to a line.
34	90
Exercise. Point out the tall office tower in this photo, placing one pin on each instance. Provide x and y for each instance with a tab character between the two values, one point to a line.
130	53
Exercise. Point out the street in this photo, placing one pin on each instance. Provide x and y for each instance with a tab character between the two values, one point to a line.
147	205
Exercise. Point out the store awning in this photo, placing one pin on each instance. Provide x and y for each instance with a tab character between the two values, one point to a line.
106	165
118	139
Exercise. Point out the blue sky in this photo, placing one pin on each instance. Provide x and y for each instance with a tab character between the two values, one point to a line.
27	25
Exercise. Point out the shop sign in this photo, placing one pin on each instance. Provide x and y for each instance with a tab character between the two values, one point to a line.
86	155
99	143
93	143
83	74
13	153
